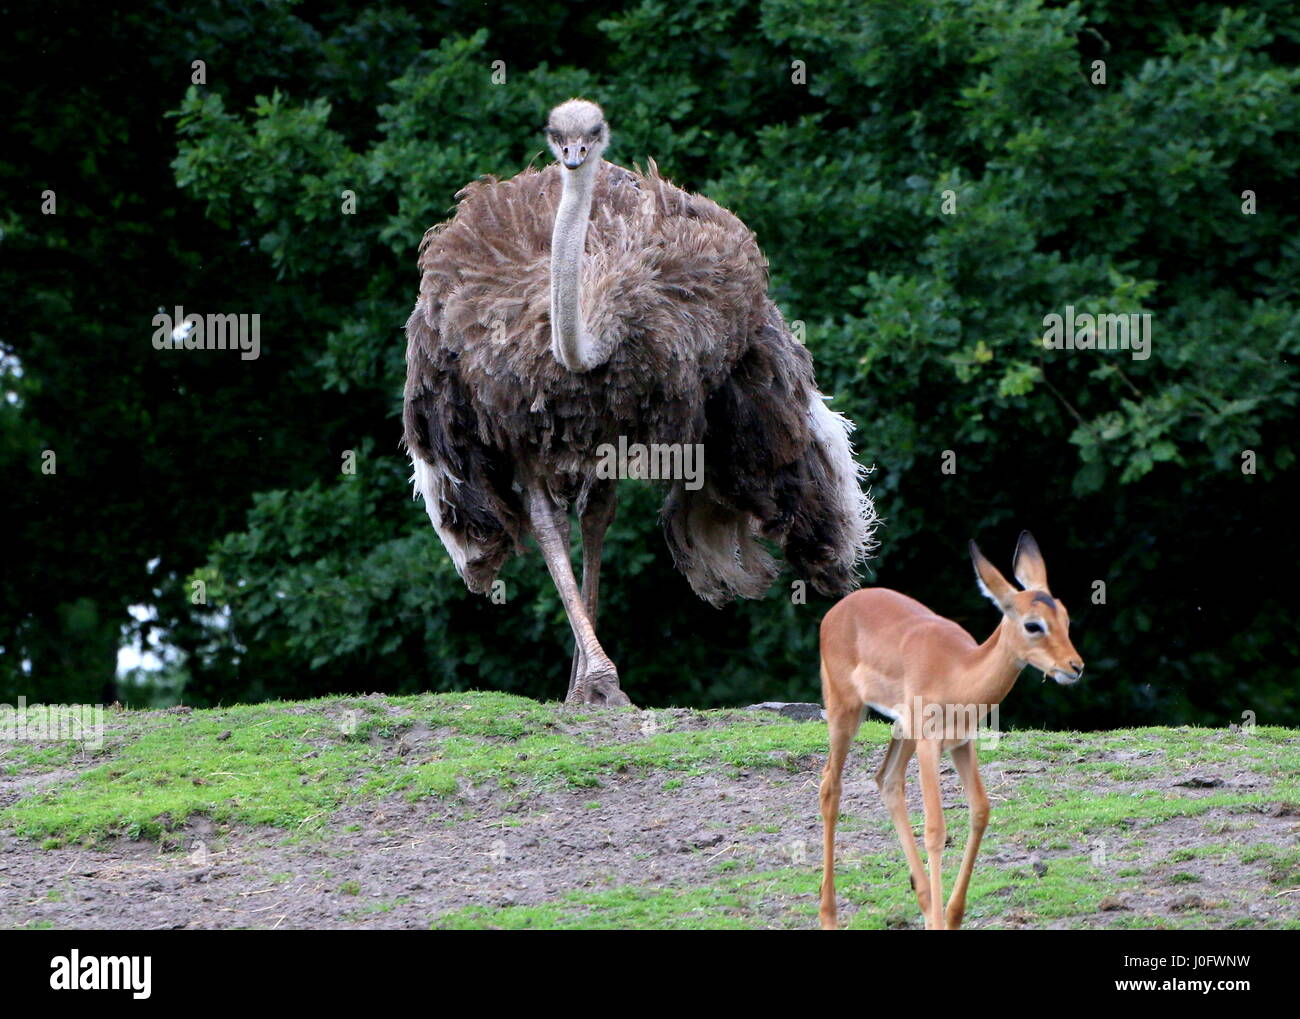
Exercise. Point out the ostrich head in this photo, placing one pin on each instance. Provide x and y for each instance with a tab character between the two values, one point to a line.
576	132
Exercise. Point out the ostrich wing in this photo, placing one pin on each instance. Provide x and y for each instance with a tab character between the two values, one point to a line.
778	465
466	484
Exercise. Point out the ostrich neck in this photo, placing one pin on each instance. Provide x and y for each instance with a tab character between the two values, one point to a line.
573	347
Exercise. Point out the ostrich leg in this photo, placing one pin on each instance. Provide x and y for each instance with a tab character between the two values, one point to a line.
597	679
594	516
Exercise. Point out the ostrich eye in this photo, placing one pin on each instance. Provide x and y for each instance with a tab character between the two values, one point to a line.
595	134
1034	628
553	134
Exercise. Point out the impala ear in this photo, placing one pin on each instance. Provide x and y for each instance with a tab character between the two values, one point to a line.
992	584
1030	570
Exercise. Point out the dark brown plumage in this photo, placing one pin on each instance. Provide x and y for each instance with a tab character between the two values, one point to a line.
675	288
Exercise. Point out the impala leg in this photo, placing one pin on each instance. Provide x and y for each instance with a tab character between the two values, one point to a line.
843	717
927	756
598	681
890	779
593	519
965	759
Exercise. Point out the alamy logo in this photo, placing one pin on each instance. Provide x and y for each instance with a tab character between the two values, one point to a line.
1084	331
922	720
81	722
76	972
666	461
179	331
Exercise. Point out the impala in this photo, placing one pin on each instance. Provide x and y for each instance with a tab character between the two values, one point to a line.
887	651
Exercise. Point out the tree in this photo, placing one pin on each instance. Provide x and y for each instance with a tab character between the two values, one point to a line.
930	182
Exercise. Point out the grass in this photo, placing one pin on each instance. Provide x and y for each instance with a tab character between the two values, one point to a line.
277	767
779	898
1283	863
729	904
291	766
875	887
17	758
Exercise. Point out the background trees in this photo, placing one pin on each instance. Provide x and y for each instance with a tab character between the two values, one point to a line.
226	196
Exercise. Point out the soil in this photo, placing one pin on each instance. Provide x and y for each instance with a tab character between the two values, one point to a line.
398	864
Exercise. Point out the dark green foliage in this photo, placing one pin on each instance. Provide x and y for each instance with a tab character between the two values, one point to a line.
1123	197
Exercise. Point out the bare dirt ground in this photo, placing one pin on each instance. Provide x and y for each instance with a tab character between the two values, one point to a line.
393	863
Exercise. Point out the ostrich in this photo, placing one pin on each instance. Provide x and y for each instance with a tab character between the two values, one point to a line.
567	308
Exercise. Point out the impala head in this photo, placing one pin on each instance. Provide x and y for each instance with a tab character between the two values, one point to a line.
1038	627
576	132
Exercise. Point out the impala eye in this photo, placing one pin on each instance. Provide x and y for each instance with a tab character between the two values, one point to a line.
1033	627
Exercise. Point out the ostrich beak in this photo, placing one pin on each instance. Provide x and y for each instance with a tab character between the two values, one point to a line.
574	154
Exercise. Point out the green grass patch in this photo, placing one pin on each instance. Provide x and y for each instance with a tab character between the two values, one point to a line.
275	767
292	765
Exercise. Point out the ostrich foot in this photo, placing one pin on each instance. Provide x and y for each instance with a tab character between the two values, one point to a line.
598	686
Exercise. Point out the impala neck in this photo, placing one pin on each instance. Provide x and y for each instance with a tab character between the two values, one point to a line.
571	344
996	664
